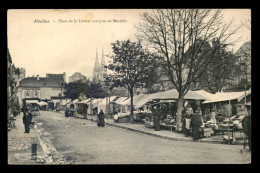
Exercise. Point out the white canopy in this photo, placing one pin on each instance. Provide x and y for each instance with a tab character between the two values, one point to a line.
226	96
207	95
105	100
85	101
32	101
42	103
173	94
135	99
142	101
120	100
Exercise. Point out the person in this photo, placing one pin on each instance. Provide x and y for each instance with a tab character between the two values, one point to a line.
234	110
101	119
190	110
24	121
213	117
72	111
196	123
156	118
246	124
186	122
66	112
27	118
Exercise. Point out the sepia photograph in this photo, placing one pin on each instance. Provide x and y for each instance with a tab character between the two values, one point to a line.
128	86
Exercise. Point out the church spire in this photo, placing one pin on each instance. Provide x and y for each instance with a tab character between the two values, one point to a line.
102	58
96	63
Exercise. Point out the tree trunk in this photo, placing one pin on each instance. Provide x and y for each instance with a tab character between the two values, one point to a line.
132	107
179	112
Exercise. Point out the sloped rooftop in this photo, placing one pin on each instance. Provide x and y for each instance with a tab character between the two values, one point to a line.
53	80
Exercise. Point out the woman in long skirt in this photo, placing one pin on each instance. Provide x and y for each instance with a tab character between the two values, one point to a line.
196	123
101	119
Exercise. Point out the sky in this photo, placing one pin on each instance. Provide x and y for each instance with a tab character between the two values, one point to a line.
67	44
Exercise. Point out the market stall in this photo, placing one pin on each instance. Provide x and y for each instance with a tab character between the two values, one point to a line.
125	111
118	104
50	105
228	121
168	103
43	105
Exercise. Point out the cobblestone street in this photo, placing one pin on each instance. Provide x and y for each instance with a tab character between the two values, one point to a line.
79	141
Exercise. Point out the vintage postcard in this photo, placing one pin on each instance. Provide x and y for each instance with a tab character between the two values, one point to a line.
129	86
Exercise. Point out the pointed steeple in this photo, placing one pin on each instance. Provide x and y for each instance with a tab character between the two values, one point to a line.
102	58
96	63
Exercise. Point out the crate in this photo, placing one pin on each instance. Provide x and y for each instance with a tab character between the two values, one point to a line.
207	132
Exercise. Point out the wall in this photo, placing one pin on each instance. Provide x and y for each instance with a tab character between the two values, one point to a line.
30	93
45	93
57	91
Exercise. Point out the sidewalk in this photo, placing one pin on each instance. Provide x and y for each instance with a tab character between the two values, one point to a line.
20	145
167	134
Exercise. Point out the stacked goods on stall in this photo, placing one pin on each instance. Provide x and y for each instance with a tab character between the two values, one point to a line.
235	121
168	121
122	117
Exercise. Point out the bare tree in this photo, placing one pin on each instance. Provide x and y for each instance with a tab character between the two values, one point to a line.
182	38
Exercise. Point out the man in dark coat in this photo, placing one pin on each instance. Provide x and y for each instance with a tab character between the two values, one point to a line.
196	123
27	119
101	119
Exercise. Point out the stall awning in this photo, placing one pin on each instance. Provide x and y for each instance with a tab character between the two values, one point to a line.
226	96
85	101
42	103
96	102
173	95
205	94
135	99
120	100
143	100
105	100
32	101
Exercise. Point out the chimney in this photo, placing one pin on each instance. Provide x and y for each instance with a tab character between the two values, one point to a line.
38	78
64	77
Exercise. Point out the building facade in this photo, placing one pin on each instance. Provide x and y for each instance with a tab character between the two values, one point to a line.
76	77
41	88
